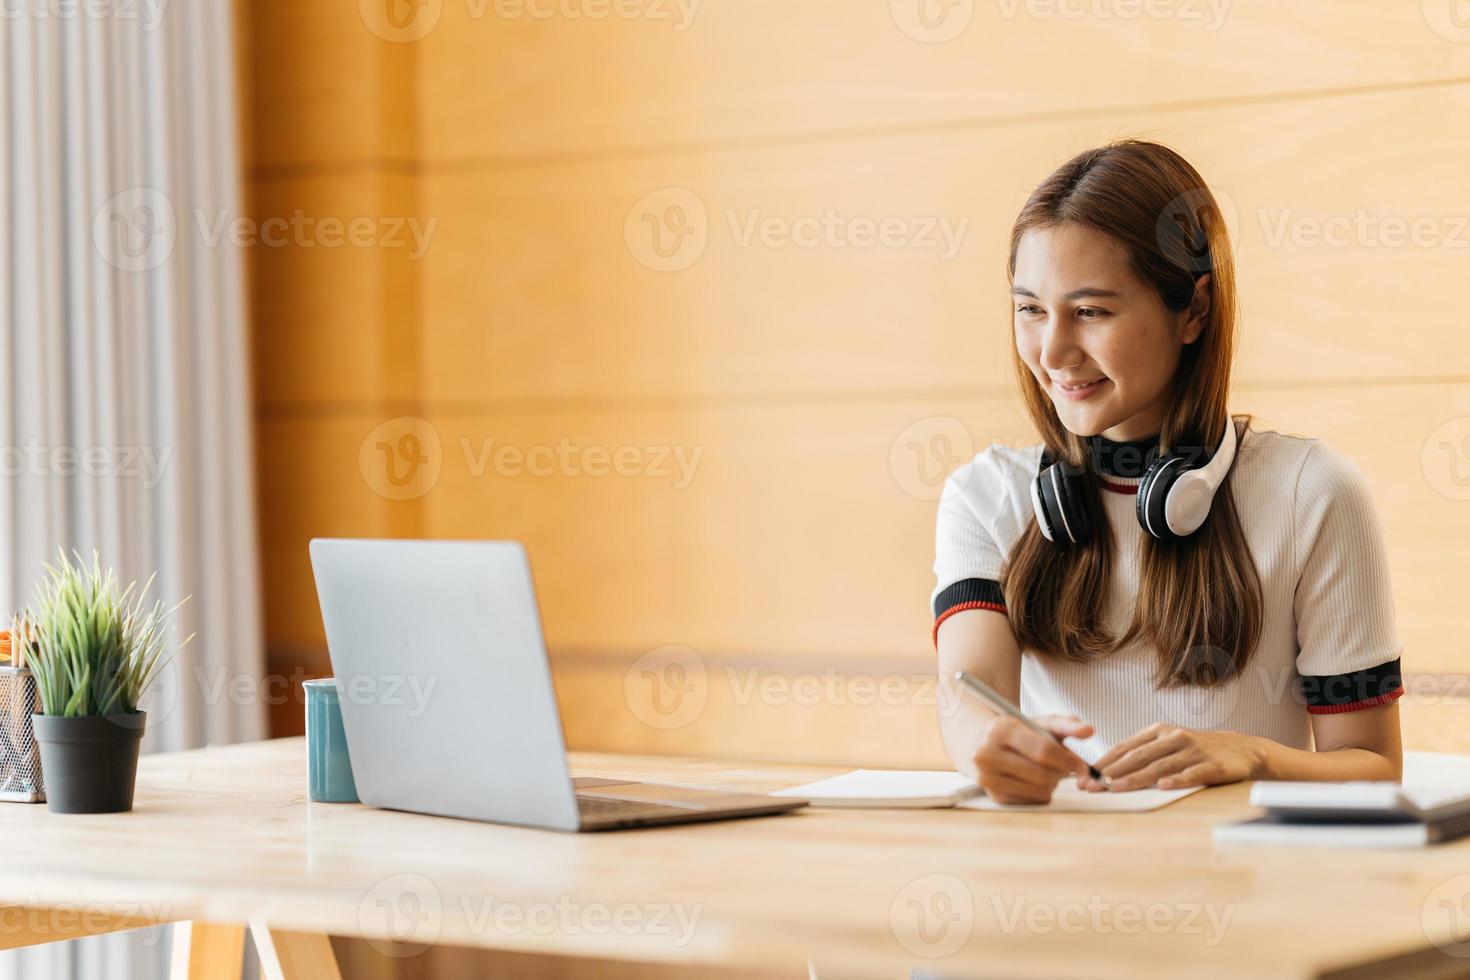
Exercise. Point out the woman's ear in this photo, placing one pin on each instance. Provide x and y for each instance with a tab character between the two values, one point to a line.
1199	310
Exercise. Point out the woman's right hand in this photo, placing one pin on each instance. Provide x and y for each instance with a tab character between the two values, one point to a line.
1017	765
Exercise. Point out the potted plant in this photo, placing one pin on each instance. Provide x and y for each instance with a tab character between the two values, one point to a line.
93	652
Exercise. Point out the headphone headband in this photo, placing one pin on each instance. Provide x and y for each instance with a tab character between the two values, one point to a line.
1213	472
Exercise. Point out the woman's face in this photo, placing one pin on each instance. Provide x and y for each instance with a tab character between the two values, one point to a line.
1081	315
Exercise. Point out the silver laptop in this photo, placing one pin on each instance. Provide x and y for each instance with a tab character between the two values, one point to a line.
447	698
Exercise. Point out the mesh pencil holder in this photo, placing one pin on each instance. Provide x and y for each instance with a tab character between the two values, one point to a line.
20	759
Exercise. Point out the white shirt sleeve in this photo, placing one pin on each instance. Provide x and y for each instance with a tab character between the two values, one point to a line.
975	529
1348	646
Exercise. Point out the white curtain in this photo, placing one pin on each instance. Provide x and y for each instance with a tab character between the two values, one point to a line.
125	411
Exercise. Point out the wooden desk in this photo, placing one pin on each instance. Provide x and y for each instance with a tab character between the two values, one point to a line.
226	836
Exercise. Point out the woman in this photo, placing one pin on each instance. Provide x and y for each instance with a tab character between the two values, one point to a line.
1196	656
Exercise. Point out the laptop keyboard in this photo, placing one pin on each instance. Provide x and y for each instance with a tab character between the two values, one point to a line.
597	806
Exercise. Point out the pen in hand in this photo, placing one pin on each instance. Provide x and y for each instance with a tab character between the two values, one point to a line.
995	700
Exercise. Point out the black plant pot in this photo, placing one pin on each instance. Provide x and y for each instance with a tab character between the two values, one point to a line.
89	763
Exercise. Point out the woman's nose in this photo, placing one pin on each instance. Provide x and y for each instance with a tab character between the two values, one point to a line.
1059	350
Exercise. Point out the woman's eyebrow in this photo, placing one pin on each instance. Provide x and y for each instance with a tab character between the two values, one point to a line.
1086	292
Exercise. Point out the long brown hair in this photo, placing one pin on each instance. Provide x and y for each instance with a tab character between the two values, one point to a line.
1199	602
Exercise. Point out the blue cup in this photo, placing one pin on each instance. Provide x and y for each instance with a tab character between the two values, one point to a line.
328	767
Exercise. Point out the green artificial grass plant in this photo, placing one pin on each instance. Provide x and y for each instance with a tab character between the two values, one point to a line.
92	650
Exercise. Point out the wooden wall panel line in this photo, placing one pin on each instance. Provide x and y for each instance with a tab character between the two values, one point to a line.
306	410
366	167
654	402
616	660
497	163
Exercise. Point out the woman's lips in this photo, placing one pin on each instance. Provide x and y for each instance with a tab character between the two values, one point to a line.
1079	393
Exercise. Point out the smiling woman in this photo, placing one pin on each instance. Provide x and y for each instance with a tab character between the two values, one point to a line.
1212	598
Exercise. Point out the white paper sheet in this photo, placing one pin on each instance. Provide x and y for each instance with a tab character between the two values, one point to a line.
1069	799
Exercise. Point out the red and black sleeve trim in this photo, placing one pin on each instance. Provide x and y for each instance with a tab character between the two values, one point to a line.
1337	693
970	593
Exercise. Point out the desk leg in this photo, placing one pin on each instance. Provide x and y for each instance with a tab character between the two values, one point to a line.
207	951
293	955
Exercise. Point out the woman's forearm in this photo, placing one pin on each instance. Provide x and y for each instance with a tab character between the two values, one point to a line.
1282	762
981	642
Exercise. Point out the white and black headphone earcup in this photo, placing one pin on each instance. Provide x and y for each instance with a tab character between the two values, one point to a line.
1043	520
1153	495
1187	503
1080	525
1176	492
1057	500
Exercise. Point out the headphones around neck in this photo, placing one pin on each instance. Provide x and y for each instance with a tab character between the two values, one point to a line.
1173	499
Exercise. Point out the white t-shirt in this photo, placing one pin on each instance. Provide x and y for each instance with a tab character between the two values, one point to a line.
1328	641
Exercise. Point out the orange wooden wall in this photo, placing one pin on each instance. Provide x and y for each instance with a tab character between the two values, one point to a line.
816	377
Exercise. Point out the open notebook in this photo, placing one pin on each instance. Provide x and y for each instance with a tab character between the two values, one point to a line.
893	788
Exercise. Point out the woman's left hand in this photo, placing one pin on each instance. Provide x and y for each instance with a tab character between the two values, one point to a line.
1172	758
